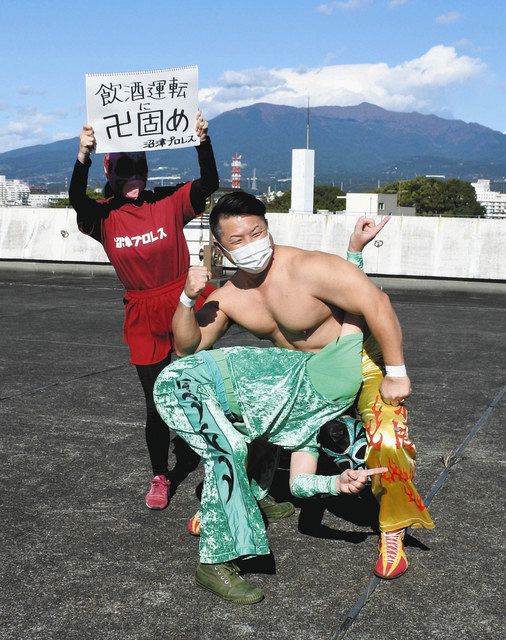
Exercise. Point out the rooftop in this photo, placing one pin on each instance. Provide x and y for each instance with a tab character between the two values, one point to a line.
84	559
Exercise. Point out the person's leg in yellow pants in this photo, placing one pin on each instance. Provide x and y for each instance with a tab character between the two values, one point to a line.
389	446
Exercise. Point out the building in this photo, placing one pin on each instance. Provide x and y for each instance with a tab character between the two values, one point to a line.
38	188
44	200
493	201
302	197
376	204
13	193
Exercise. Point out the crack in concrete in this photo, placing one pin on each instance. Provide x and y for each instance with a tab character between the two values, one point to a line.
449	461
63	382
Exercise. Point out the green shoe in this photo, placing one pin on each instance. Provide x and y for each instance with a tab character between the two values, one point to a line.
224	581
275	510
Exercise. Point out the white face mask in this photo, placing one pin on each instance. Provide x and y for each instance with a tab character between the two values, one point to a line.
253	257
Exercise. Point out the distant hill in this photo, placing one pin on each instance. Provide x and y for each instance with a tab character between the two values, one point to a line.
354	145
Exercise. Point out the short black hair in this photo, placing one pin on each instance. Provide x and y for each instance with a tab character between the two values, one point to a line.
234	204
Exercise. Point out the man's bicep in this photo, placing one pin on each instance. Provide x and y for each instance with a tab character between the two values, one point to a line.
342	284
213	323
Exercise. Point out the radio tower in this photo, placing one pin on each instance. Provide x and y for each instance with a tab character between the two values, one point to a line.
236	172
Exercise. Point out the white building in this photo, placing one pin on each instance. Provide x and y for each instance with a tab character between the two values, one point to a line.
13	193
43	200
380	204
271	194
493	201
302	181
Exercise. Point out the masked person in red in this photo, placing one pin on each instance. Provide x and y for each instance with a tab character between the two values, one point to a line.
142	235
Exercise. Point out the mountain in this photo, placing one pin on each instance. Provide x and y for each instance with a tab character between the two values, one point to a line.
355	145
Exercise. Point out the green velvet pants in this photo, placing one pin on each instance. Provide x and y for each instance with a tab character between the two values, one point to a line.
191	400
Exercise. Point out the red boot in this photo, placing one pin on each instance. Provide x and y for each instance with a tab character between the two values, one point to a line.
193	525
392	561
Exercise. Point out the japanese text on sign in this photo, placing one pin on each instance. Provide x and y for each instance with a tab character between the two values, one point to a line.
143	111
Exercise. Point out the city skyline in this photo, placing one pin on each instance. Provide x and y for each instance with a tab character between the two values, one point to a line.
443	57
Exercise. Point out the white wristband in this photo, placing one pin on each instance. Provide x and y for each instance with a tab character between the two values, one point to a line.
396	371
184	299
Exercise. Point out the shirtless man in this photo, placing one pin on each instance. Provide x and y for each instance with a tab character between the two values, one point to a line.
295	299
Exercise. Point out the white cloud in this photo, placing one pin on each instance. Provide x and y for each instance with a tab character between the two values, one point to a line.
26	90
62	135
346	5
326	9
396	3
27	128
408	85
449	18
465	43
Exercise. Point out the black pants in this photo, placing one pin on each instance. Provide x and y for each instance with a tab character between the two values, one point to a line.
157	432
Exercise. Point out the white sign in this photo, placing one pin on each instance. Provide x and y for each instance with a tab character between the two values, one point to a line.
143	111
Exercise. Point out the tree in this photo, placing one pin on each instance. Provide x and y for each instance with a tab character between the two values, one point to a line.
64	203
325	197
433	197
280	203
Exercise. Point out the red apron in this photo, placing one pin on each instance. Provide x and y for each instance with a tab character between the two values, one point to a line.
147	329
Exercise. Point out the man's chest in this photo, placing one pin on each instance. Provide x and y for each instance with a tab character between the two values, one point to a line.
283	315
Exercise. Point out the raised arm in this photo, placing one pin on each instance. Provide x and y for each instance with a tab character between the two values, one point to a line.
365	230
196	331
88	210
208	182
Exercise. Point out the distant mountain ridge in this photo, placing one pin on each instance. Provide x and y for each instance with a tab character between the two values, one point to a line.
355	145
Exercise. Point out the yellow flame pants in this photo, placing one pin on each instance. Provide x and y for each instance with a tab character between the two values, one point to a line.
389	446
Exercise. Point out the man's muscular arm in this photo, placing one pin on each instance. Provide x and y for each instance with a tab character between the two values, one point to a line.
335	281
194	332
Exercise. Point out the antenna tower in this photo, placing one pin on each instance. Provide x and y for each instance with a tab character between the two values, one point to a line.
236	172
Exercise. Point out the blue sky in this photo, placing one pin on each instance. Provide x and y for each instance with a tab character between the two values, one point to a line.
435	56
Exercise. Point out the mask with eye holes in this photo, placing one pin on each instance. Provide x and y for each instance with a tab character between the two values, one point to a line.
126	173
343	440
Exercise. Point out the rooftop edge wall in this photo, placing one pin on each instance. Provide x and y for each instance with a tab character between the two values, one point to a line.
467	248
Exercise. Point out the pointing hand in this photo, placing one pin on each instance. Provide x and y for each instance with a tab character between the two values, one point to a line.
365	230
352	481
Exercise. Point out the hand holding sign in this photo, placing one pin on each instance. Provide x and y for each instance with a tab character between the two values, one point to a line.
354	480
201	126
87	143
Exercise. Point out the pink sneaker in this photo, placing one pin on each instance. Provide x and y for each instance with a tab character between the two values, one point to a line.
158	496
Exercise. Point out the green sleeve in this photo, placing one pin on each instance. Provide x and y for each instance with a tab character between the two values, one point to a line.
306	485
355	258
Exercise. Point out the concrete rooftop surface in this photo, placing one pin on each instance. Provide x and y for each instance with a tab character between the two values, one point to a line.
83	558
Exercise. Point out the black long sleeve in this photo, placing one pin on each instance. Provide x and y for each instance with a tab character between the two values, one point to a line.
89	212
208	182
